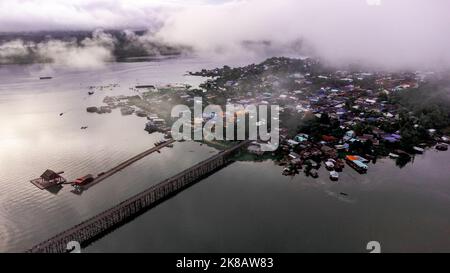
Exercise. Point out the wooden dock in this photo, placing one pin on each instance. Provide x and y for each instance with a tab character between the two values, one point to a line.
48	180
99	225
43	185
126	163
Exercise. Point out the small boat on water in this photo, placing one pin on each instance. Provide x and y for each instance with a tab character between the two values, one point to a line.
45	78
329	165
442	147
287	171
83	180
394	156
354	162
334	175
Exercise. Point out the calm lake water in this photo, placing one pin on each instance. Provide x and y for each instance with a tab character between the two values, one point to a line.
246	207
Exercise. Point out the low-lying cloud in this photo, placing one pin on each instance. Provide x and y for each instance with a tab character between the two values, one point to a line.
383	33
39	15
91	52
387	33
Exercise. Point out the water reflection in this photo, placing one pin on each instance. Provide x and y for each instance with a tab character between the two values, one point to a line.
251	207
35	137
248	206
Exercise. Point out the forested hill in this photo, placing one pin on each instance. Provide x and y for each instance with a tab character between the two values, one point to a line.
430	102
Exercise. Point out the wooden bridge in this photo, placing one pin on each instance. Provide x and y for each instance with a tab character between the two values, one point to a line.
127	163
97	226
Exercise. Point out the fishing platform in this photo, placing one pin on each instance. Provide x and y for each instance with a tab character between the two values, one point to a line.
49	179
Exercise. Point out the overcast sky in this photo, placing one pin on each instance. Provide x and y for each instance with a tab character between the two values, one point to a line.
31	15
382	32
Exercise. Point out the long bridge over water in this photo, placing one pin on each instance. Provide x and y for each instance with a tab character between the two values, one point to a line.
99	225
127	163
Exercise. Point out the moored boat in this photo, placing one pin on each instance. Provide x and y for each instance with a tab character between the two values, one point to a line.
83	180
392	155
286	171
355	163
329	165
442	147
334	175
